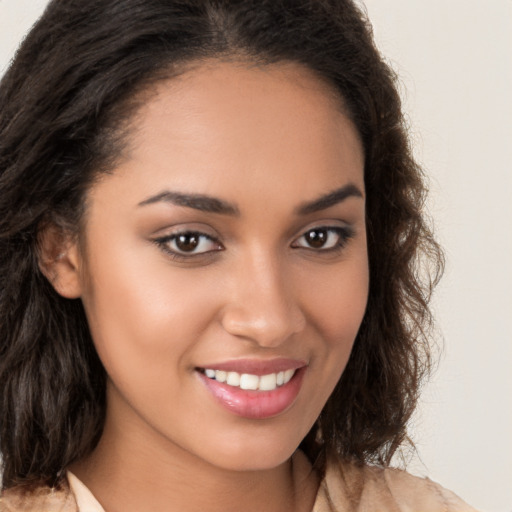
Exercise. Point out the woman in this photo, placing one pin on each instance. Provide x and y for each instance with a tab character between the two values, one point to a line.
210	236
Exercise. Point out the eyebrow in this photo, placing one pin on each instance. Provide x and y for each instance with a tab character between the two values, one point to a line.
330	199
211	204
200	202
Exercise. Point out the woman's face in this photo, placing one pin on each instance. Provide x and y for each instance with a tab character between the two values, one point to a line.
224	272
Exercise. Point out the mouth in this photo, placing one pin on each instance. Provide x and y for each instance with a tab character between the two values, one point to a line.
248	381
254	390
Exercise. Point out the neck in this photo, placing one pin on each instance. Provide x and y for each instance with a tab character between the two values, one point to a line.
129	472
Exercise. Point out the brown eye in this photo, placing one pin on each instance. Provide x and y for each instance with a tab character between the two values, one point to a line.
187	242
324	238
316	238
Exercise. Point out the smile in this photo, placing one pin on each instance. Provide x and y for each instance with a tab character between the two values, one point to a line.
254	389
248	381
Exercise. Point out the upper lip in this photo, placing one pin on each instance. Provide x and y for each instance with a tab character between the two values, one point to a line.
256	366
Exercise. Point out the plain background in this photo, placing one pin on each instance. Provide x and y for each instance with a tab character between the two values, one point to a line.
454	59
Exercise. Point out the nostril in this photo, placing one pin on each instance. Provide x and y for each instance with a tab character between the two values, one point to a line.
261	304
265	327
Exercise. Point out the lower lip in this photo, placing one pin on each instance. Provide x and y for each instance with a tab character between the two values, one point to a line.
255	404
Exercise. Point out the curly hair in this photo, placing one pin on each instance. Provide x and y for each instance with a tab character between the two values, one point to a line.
65	105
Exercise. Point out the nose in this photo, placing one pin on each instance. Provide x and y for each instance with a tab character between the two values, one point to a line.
262	304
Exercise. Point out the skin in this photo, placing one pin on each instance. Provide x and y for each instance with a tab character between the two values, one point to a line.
266	140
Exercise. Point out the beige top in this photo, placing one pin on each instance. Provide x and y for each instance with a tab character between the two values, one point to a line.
345	488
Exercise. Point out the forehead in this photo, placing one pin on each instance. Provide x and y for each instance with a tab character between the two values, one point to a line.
224	127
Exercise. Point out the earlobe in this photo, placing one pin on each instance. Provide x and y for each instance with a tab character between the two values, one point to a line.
59	261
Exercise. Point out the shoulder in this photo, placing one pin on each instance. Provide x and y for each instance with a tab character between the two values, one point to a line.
349	486
39	499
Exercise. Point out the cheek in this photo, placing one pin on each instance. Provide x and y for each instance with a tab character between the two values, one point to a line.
143	318
339	302
337	306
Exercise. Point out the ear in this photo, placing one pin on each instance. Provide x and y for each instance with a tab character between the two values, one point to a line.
59	260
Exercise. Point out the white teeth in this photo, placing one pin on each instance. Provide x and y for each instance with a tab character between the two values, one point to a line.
248	381
267	382
220	375
233	379
288	374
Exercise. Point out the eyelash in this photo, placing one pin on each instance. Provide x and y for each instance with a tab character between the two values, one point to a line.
344	234
177	254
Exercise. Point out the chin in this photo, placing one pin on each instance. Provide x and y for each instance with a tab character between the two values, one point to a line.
259	451
262	461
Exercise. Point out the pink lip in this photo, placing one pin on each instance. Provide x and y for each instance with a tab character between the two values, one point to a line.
256	366
255	404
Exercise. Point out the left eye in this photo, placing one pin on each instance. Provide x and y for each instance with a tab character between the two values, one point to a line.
323	238
189	243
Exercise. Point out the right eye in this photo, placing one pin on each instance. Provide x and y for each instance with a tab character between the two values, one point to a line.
188	244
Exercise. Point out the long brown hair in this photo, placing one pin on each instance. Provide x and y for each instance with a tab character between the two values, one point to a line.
64	105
